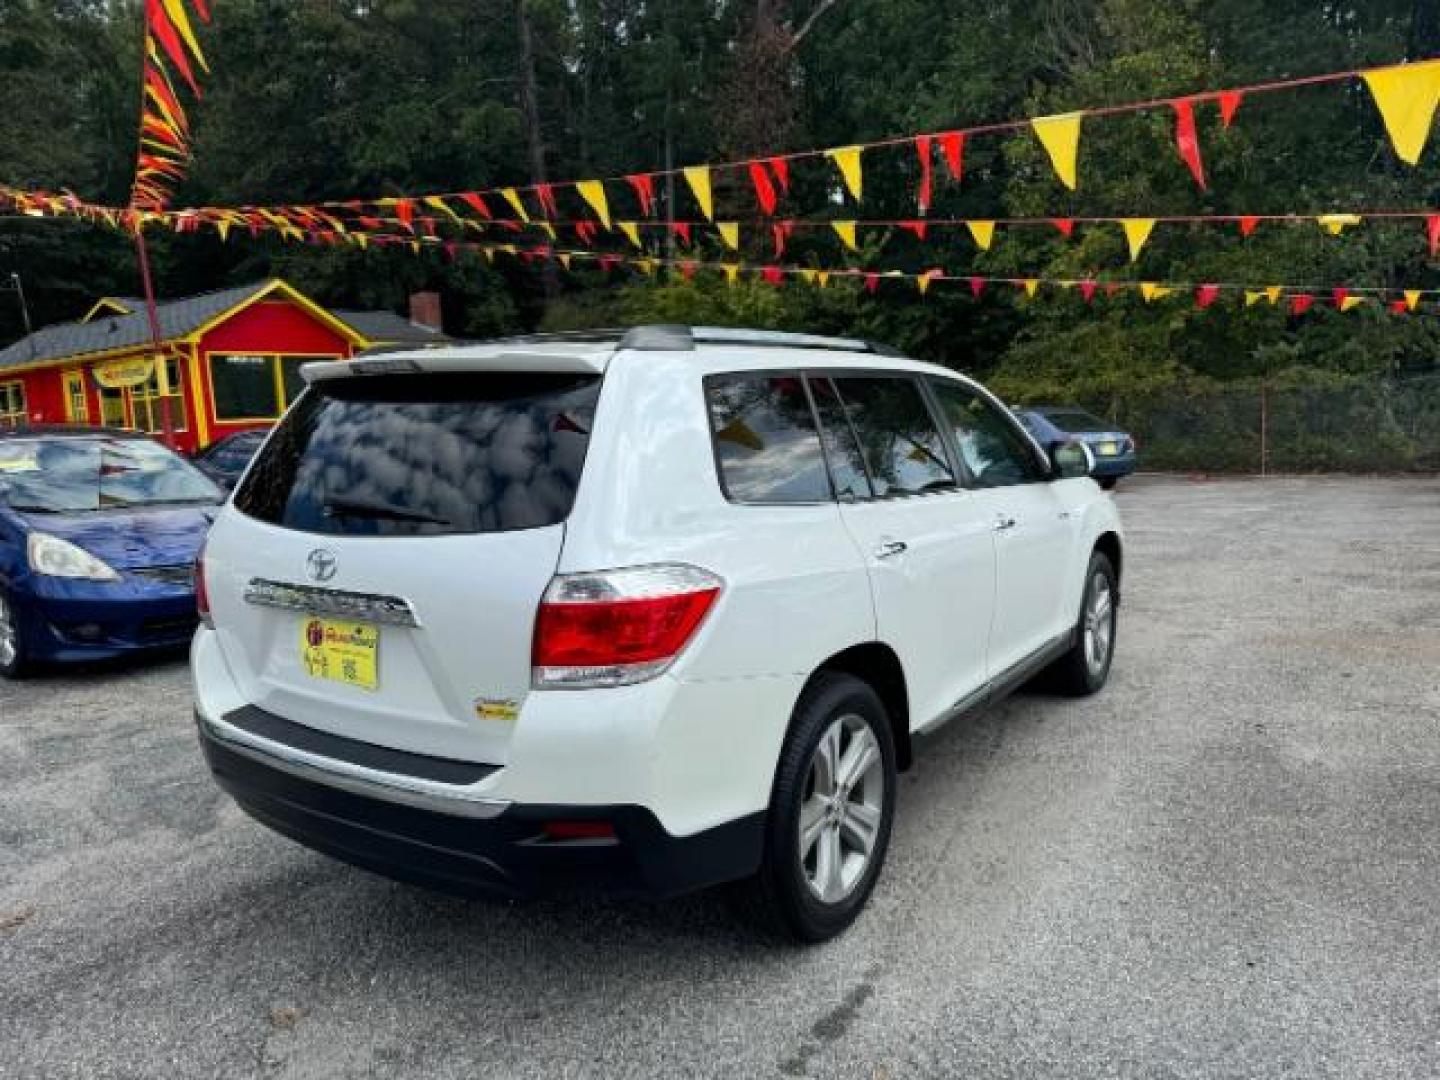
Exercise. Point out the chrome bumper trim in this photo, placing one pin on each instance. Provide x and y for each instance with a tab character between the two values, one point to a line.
356	779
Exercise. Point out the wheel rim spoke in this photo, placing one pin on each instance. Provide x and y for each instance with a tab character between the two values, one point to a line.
7	635
830	866
812	823
860	757
861	826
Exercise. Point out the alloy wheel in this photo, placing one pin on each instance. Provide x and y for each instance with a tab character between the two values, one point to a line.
9	635
843	809
1099	623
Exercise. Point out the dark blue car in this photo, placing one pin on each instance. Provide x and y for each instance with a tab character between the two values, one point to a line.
1115	451
99	531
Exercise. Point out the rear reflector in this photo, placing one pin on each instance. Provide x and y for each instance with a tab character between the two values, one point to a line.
579	830
618	627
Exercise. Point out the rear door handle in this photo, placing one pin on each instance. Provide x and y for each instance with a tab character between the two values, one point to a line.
891	548
1004	522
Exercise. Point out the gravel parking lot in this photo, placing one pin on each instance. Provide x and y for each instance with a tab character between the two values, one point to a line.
1226	865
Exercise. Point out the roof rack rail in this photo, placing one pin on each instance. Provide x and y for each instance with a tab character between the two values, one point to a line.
668	337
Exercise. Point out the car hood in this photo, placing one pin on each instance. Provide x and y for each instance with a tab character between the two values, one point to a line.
130	539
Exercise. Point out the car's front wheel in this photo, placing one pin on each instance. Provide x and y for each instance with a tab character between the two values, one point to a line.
13	664
1086	667
831	811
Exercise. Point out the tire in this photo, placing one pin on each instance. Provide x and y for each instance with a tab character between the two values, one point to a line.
13	662
1086	667
1108	482
787	896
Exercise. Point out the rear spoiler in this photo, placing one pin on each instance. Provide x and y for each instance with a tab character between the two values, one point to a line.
587	362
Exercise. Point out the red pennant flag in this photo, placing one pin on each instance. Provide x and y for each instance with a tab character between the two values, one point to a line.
1301	303
510	225
764	189
977	286
687	269
609	262
781	231
1206	295
428	224
1247	225
1399	307
1433	227
405	211
781	167
1111	288
164	31
872	282
585	232
919	228
473	200
452	250
1087	290
370	223
952	149
545	193
772	275
1065	225
1339	295
682	230
1229	103
922	148
1186	140
644	185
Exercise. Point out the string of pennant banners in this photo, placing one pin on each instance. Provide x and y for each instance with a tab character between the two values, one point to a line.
164	151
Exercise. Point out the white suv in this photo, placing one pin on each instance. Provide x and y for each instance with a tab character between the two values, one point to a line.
653	611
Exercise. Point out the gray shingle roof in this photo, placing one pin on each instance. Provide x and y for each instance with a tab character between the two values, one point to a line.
105	332
387	327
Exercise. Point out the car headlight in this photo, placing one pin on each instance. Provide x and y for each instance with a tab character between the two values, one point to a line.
53	557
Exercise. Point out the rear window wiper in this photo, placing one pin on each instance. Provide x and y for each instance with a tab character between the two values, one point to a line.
356	508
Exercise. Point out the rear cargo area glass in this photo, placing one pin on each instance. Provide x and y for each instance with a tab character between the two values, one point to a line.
426	454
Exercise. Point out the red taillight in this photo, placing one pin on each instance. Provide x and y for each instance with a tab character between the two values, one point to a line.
620	626
202	594
579	830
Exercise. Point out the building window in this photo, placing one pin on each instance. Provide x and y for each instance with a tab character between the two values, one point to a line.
146	401
256	387
77	405
12	404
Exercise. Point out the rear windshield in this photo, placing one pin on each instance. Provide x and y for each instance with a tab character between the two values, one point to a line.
1076	420
431	454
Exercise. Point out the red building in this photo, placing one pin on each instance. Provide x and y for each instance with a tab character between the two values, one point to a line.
231	360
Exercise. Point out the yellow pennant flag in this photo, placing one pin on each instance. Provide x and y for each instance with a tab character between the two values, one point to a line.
846	231
489	253
1060	135
983	232
1407	96
512	197
847	160
548	229
808	275
1335	224
1412	299
1253	296
1351	302
645	266
565	259
440	204
1151	291
699	179
631	231
730	233
223	228
922	281
362	241
593	192
823	277
1032	286
1273	294
176	10
732	272
1137	231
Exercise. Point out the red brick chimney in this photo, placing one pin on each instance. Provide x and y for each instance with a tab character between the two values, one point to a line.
425	310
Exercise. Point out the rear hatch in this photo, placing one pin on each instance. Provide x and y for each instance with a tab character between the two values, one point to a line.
379	572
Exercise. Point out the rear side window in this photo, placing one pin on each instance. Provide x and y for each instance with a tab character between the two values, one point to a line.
766	445
428	454
898	437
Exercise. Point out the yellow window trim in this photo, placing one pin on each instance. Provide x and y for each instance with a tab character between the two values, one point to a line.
275	374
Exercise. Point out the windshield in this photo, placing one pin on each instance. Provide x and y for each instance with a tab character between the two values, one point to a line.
70	475
1076	420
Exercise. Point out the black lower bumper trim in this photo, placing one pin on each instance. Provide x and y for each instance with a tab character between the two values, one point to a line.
507	855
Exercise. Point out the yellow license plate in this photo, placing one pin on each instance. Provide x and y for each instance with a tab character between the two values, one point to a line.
343	652
1107	449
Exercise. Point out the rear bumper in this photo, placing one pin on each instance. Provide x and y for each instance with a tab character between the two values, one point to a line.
1120	465
483	847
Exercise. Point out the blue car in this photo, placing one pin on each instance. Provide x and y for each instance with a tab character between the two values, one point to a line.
1115	451
99	531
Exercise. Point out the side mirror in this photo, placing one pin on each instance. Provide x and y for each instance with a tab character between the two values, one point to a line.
1071	459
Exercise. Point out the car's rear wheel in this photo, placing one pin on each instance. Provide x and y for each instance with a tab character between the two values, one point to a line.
831	811
13	664
1086	667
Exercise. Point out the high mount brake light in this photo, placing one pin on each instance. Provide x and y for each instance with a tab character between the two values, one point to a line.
618	627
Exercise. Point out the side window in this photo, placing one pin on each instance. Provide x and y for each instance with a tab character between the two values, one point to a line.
847	465
765	439
902	449
994	453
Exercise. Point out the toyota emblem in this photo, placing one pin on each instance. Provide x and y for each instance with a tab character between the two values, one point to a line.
321	565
